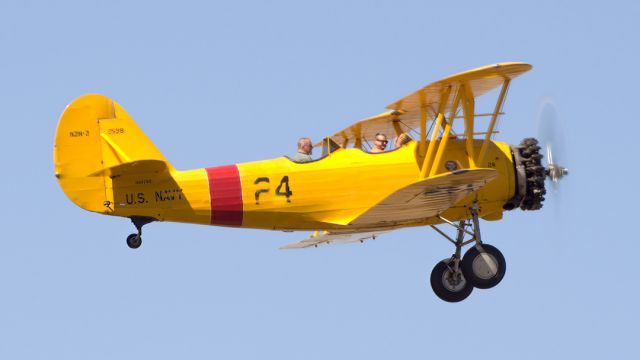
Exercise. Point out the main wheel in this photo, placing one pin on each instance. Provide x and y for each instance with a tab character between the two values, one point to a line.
134	241
449	285
484	269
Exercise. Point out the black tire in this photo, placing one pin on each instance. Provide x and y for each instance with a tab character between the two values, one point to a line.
484	272
134	241
444	287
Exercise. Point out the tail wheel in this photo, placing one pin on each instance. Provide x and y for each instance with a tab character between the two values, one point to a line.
484	268
448	284
134	241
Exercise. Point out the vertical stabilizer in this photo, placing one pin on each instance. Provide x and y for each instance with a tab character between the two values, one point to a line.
95	135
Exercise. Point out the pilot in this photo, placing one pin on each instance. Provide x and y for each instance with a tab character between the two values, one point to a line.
381	142
304	150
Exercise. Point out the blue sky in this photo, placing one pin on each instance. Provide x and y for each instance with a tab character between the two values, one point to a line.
219	83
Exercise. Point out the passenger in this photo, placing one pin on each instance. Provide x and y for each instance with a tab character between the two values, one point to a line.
304	151
381	142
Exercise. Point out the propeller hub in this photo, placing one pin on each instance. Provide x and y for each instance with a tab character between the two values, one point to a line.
556	172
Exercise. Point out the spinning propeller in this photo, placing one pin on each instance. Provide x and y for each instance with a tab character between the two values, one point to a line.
550	135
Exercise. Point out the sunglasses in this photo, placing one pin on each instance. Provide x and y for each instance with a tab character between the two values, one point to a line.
383	141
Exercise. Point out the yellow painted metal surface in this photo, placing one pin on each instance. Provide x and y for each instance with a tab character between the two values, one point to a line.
104	163
332	192
325	194
328	193
181	196
431	150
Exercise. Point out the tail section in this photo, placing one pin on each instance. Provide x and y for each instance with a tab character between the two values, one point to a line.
96	140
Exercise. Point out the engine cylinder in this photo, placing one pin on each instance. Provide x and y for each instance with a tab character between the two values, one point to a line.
530	176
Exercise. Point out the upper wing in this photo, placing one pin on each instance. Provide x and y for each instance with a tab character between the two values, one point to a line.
480	81
426	198
405	113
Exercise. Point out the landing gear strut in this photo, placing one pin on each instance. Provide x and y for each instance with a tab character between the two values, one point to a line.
482	266
135	240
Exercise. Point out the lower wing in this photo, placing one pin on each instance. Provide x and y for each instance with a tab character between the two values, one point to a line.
418	201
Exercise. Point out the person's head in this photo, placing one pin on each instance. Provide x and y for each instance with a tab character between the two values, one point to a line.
380	141
305	146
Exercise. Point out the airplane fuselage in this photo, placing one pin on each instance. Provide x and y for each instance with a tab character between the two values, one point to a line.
280	194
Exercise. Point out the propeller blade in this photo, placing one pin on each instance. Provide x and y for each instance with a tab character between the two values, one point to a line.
550	135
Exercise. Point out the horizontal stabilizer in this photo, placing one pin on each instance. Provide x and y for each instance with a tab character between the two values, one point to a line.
133	167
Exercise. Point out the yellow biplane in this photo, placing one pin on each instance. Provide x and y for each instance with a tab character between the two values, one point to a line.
104	163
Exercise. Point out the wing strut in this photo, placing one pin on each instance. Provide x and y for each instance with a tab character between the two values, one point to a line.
468	107
434	164
494	117
436	147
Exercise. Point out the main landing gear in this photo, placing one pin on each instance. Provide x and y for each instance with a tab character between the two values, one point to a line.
135	240
482	266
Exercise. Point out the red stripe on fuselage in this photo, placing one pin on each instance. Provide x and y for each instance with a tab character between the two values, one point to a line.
225	191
